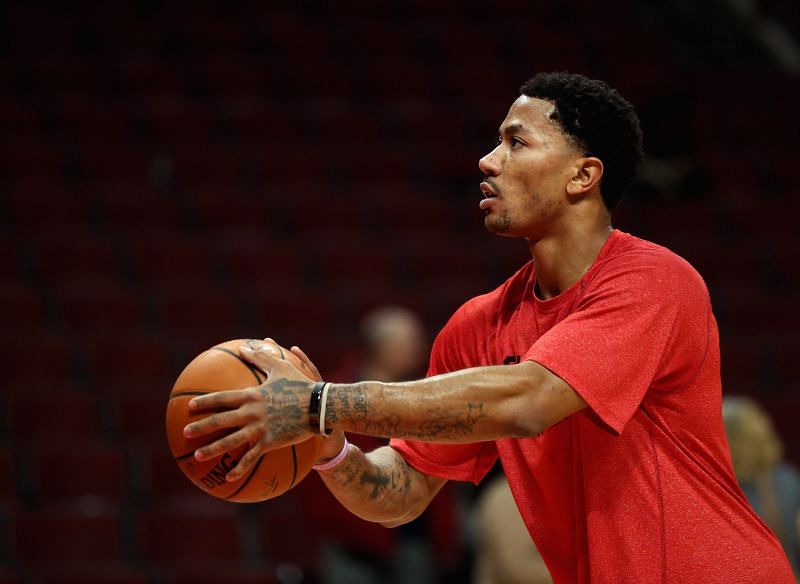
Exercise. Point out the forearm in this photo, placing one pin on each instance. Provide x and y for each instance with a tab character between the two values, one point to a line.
380	486
471	405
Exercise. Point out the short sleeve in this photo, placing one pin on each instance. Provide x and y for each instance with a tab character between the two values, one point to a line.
454	349
642	318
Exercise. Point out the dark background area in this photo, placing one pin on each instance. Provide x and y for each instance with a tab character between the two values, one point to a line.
176	175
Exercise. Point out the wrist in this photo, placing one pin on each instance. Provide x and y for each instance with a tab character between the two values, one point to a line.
317	407
334	452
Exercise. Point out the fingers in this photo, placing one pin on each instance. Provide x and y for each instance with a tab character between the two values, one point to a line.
245	464
306	361
223	445
260	356
220	400
214	422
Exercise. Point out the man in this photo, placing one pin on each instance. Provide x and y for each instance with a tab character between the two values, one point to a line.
608	420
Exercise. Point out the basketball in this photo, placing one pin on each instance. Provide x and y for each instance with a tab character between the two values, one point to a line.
221	369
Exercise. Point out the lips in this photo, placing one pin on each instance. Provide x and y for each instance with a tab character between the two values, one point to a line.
488	190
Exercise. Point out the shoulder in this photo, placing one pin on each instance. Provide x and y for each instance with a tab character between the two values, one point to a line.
462	341
638	263
480	313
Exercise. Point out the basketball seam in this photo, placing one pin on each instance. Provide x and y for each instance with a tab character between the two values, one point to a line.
247	480
294	465
183	393
254	370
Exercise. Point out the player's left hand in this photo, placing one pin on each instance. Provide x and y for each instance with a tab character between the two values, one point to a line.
270	416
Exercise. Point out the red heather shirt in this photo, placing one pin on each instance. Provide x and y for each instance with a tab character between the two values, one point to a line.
638	487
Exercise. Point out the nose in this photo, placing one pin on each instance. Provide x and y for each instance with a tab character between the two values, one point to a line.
490	164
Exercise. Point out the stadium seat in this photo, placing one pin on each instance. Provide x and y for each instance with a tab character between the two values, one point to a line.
91	572
171	534
7	477
54	536
94	306
138	408
118	360
44	413
21	307
89	470
72	256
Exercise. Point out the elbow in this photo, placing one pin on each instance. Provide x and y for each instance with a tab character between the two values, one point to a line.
525	423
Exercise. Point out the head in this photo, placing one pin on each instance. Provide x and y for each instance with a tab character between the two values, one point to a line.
395	342
755	446
568	142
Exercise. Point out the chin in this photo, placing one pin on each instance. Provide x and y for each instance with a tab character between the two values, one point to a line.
498	225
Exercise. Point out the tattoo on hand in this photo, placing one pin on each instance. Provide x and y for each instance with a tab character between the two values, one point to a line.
287	417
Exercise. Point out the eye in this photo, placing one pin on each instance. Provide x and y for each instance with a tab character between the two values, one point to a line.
516	142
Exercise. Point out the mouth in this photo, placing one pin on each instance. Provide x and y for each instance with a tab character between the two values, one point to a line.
489	192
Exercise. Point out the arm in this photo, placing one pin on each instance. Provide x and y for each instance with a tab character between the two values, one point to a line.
482	403
472	405
381	486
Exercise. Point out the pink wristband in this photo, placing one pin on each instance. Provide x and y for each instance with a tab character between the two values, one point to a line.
335	460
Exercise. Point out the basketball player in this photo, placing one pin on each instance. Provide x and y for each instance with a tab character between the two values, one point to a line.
592	373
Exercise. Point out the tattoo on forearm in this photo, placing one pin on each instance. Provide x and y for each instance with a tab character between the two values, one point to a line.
375	479
345	473
350	403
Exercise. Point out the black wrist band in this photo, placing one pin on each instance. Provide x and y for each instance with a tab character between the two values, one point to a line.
313	404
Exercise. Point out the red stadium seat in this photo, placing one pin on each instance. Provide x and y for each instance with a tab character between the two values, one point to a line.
21	307
72	256
64	208
193	307
94	306
225	574
137	360
91	572
174	535
7	476
138	408
56	536
47	413
78	469
165	258
23	362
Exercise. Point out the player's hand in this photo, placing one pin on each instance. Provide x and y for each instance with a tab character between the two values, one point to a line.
272	415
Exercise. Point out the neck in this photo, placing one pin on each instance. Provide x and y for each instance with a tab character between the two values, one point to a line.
562	258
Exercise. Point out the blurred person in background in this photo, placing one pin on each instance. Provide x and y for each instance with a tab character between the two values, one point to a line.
394	348
505	553
771	485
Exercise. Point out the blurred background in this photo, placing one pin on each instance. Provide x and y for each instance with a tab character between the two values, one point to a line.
177	174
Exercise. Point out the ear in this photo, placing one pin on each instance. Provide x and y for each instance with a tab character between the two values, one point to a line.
588	172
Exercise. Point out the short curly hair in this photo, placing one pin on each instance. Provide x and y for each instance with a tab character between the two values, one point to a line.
599	121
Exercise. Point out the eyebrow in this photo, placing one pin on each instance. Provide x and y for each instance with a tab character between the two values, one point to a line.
515	128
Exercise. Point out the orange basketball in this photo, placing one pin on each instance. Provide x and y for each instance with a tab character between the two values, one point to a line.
220	369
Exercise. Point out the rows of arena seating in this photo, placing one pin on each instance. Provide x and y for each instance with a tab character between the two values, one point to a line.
174	177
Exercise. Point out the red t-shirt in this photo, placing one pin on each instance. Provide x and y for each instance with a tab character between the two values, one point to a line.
638	487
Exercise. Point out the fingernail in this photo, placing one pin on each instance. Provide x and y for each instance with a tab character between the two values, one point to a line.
192	404
230	478
187	432
246	349
198	455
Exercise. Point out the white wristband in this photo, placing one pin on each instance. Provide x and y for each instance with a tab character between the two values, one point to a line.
335	460
323	403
